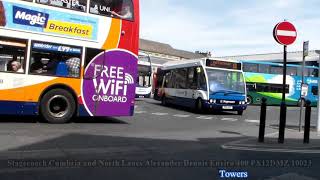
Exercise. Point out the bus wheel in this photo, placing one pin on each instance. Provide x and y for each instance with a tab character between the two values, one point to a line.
249	100
240	113
57	106
199	106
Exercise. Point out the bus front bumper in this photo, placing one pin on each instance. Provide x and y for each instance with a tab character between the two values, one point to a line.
225	107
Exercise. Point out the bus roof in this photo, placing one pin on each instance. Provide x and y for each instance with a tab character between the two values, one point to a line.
277	64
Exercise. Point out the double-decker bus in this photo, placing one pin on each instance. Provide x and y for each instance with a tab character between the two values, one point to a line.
204	84
144	86
264	79
62	59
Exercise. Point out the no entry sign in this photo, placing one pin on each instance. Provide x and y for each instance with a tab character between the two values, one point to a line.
285	33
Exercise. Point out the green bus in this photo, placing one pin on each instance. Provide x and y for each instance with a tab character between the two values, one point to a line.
264	79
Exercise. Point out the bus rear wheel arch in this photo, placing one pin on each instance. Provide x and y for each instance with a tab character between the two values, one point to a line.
249	100
57	106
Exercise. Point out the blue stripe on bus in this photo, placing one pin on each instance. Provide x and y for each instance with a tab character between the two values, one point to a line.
82	111
232	98
18	108
189	102
27	108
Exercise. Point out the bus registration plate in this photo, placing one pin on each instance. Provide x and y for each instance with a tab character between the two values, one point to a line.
227	107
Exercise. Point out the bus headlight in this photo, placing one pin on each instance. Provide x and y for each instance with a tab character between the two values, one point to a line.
212	101
242	102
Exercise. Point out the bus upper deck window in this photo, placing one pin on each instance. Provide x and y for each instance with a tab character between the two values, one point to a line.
79	5
122	9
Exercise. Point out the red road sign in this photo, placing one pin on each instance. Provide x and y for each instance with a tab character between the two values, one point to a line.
285	33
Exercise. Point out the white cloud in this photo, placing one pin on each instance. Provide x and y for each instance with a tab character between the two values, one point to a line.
241	30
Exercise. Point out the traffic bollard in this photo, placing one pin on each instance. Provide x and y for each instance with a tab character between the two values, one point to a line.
282	125
262	120
307	123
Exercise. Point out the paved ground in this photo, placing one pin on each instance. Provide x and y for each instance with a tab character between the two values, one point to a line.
157	143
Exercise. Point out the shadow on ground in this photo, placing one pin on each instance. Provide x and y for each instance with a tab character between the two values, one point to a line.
39	119
190	110
85	156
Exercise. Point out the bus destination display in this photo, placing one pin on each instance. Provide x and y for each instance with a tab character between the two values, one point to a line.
223	64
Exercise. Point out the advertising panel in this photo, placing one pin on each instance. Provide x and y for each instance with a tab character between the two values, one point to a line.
108	88
43	20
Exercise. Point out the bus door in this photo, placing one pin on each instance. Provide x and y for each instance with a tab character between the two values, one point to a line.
192	80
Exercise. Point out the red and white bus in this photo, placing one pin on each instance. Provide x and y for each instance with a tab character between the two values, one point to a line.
66	58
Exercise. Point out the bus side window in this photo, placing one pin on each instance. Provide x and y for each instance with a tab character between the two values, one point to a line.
276	70
313	72
12	55
55	59
172	80
264	68
292	71
251	87
248	67
314	90
192	81
181	78
91	53
167	80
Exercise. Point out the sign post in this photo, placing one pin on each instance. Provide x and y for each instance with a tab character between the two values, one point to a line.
304	90
318	122
285	34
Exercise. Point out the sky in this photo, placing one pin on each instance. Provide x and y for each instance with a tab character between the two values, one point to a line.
228	27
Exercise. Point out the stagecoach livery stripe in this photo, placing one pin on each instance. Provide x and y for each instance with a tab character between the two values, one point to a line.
32	93
114	35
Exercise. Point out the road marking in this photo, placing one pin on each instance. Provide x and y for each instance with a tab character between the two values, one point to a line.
181	115
238	145
139	112
302	151
229	119
204	117
252	121
160	114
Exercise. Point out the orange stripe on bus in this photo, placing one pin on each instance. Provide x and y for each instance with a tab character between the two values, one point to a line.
32	93
114	35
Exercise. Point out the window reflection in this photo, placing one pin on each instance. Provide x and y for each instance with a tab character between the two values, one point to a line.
114	8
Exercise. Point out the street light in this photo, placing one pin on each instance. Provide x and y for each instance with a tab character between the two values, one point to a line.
318	124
